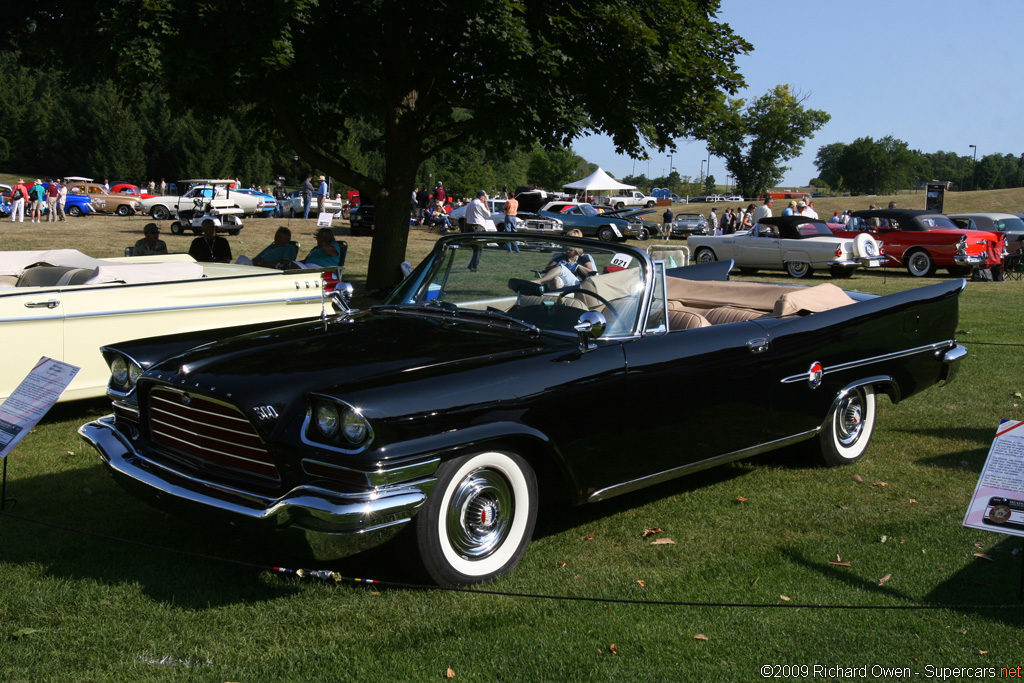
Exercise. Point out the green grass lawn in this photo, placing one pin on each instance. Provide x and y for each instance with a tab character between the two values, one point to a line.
78	607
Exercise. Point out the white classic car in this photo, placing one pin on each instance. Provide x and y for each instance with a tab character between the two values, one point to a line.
204	194
65	305
293	205
526	221
796	244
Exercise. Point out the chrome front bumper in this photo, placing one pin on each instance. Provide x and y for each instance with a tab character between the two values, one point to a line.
316	522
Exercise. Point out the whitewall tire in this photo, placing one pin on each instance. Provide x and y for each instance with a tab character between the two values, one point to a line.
478	521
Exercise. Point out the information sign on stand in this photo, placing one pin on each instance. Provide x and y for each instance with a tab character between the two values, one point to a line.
998	500
324	219
27	405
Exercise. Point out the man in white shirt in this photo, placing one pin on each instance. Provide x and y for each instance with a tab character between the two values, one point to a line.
477	216
763	211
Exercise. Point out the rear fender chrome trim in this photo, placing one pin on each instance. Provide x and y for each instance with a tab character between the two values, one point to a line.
827	370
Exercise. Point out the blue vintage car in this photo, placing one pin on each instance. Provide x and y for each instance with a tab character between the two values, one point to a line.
586	218
78	205
74	205
477	386
269	203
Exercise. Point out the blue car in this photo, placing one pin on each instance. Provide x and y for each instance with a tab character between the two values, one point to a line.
269	203
78	205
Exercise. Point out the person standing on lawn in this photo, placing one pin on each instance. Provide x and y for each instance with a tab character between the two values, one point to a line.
307	195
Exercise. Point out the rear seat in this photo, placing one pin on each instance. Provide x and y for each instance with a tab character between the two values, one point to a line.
717	303
54	276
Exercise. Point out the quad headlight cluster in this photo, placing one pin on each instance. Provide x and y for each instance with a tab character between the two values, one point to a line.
339	423
124	372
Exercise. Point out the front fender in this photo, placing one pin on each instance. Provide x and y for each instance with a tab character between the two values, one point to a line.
531	443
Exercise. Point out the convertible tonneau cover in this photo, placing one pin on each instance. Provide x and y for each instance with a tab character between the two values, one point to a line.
171	268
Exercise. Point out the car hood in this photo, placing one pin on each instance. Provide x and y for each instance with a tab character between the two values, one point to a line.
345	357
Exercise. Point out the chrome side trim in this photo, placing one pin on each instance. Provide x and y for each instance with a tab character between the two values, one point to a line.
254	302
658	477
875	359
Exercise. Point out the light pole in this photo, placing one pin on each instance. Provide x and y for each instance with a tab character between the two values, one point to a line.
701	177
974	163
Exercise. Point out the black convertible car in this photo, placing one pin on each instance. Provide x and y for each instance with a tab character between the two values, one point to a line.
474	388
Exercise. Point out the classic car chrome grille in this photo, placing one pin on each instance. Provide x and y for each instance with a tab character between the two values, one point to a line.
207	433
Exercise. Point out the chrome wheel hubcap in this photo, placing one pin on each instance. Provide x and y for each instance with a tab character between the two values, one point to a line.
479	514
850	422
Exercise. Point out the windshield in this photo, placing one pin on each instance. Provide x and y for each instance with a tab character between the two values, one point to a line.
936	223
548	282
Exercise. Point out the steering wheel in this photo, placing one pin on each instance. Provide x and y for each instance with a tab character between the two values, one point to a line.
611	313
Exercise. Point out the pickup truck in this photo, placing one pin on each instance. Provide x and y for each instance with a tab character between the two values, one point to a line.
632	198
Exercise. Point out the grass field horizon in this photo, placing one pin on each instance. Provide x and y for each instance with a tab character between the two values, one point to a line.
788	539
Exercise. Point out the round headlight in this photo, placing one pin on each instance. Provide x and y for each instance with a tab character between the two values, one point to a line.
354	427
134	372
119	371
326	418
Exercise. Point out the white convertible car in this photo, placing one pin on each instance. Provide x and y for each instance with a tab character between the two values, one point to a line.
204	194
795	244
65	305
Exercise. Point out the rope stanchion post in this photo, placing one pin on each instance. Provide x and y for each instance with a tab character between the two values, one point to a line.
3	490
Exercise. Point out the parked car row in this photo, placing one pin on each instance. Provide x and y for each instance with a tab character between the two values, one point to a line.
923	241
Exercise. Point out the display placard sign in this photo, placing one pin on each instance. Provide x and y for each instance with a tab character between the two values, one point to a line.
998	501
34	396
324	219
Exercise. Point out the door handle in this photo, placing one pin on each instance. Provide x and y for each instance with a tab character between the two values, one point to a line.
49	303
759	345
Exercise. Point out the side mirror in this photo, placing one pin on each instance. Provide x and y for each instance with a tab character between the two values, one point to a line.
591	325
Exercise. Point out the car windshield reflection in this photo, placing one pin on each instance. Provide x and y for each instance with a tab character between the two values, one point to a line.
544	283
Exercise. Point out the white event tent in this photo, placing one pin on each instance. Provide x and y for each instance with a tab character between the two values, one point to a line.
597	181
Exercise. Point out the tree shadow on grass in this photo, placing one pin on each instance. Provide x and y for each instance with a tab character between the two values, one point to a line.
974	457
974	585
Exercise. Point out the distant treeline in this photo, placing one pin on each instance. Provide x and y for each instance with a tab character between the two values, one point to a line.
886	165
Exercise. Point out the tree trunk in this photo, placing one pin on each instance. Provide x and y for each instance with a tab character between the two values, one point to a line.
390	237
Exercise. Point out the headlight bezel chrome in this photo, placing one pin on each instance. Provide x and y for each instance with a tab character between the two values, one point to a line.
350	432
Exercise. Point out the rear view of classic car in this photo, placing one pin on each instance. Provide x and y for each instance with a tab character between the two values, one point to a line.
924	241
478	387
796	244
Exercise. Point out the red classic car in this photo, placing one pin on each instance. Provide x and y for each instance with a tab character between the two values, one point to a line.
126	188
924	241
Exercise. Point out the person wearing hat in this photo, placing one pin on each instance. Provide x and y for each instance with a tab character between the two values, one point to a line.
151	244
38	196
477	216
19	195
791	209
321	195
801	207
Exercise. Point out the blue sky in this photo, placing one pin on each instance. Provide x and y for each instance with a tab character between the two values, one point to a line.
939	75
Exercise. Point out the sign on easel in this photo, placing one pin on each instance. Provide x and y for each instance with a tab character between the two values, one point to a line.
324	219
998	501
36	394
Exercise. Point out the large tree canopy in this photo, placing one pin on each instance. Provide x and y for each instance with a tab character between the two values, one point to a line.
755	140
500	74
